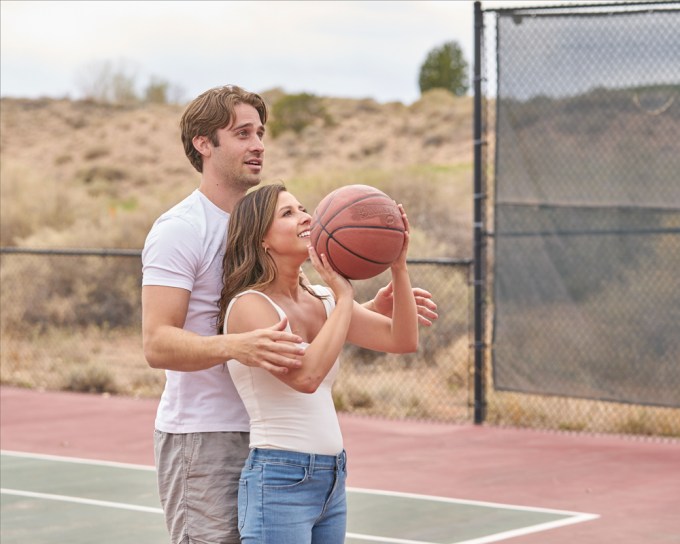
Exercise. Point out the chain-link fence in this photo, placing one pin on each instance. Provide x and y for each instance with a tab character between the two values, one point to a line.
71	320
576	301
585	207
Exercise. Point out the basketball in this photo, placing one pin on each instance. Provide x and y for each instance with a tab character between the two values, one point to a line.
359	229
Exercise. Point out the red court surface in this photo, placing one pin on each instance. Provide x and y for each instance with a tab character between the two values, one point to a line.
632	484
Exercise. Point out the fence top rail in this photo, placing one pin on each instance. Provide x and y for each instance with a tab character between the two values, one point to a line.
112	252
570	8
96	252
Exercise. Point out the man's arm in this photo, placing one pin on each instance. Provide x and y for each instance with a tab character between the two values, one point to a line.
167	345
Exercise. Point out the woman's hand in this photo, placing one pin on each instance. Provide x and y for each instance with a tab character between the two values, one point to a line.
383	301
340	286
400	261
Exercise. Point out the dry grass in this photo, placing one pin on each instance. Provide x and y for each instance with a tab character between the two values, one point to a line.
106	172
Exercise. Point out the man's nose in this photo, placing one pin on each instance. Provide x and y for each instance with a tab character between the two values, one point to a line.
257	145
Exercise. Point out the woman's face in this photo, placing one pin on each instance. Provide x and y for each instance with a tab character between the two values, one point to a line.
290	229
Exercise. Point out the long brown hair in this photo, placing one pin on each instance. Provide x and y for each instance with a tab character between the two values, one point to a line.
246	264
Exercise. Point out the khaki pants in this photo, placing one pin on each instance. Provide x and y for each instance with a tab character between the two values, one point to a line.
198	478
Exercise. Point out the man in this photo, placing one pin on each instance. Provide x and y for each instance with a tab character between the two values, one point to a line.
201	436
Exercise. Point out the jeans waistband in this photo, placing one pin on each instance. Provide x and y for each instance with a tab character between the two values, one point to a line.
312	461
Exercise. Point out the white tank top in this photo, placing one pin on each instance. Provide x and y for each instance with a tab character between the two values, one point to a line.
280	417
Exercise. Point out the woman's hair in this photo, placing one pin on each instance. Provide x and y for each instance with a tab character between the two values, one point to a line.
211	111
246	264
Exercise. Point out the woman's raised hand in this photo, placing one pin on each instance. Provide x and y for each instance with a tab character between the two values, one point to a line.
338	284
400	261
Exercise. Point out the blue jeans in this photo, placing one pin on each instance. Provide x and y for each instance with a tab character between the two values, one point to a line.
288	497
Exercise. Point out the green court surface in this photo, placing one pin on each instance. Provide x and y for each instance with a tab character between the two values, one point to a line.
48	500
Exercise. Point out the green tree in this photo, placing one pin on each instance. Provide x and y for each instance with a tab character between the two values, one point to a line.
446	68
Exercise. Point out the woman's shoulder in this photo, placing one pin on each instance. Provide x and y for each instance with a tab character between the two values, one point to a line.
252	310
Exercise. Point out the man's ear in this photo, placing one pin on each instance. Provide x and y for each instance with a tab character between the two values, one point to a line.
202	145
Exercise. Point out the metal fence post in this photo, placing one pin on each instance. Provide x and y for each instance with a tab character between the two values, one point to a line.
479	401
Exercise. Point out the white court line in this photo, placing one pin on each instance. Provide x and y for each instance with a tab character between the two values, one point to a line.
470	502
574	517
78	460
531	529
80	500
385	539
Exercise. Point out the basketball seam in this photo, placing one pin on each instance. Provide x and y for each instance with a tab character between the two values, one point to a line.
350	251
359	199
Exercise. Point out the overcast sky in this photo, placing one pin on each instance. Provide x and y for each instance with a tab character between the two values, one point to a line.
356	49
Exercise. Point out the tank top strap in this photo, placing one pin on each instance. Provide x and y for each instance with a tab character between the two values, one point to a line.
249	291
327	294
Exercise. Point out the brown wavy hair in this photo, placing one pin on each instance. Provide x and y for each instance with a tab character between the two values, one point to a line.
246	265
211	111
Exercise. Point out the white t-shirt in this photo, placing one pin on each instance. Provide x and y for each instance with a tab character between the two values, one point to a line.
282	418
184	249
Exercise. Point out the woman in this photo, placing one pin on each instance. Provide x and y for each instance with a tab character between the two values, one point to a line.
292	487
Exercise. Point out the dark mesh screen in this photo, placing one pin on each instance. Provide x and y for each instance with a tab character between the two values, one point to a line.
587	205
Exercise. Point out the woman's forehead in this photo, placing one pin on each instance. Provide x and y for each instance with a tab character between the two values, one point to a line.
286	199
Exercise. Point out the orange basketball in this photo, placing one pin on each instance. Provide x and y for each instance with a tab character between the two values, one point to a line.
359	229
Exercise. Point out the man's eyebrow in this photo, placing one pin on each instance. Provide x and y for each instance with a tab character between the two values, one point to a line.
248	125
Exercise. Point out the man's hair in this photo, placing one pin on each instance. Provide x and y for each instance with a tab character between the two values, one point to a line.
211	111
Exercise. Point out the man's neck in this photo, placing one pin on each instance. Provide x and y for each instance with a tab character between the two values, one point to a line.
223	196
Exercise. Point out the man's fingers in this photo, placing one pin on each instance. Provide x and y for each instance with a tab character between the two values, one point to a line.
424	321
285	338
274	369
426	313
422	293
281	335
281	325
426	303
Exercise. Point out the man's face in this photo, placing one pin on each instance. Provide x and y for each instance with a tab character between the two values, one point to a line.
239	158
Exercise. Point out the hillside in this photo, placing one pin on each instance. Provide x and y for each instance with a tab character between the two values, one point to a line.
81	174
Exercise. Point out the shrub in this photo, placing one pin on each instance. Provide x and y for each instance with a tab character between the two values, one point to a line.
296	112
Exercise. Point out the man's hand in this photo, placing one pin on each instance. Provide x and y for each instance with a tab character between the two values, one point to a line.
383	301
271	349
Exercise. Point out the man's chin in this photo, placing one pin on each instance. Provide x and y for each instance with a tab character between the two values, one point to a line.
251	181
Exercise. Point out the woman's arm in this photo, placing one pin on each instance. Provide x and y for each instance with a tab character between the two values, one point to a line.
252	311
397	335
323	351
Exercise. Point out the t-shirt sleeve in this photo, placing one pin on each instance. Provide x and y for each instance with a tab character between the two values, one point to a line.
171	254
